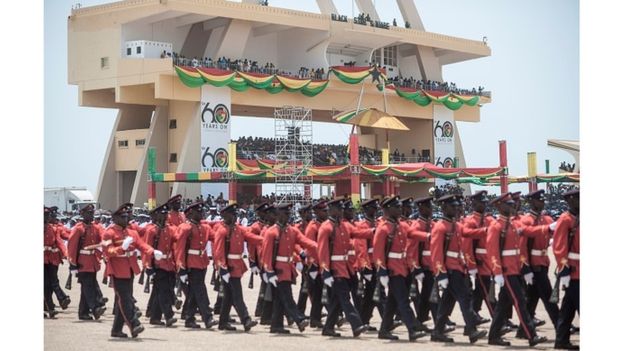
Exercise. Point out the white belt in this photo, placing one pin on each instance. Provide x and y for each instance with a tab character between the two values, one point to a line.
351	253
127	254
283	258
452	254
51	249
195	252
574	256
426	253
234	257
338	257
538	252
86	252
370	250
165	256
513	252
481	251
398	255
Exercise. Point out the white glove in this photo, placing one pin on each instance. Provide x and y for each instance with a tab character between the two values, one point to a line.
264	278
499	280
368	277
329	281
299	266
208	248
473	272
443	284
384	280
158	255
528	278
73	271
226	277
565	281
552	226
313	275
273	280
126	243
184	278
255	270
420	277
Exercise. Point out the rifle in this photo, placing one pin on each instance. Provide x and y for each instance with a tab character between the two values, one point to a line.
554	296
251	284
389	241
178	287
68	283
142	276
268	293
325	292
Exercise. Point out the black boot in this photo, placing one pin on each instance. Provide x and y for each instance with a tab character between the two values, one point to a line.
566	346
440	337
476	335
171	321
499	342
119	335
387	336
249	324
413	335
137	330
537	340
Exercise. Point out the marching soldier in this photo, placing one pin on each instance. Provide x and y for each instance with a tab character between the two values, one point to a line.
120	243
160	235
504	259
355	232
536	247
316	284
53	253
175	217
474	251
192	262
567	248
305	212
277	250
364	252
450	270
228	255
389	245
333	246
254	252
84	262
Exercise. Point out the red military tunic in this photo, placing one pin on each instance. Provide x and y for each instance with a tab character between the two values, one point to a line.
509	263
453	257
53	247
356	233
233	259
364	247
64	232
421	226
396	262
191	245
252	248
86	260
340	234
122	263
474	250
288	237
535	229
568	253
421	238
165	245
176	218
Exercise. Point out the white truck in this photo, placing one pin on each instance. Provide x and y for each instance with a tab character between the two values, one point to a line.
68	199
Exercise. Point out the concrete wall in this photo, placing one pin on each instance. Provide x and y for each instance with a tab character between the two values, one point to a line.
128	158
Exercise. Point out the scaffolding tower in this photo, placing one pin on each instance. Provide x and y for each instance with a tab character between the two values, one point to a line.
293	154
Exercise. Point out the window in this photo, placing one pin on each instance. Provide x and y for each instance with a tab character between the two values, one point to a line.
173	124
377	56
390	56
128	51
139	142
138	50
173	157
122	143
104	62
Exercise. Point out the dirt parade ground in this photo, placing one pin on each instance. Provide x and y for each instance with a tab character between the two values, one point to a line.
68	333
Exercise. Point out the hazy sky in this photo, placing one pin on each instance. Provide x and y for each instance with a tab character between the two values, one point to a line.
533	74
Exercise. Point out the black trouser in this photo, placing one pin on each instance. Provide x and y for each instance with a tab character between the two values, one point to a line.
569	307
268	305
260	301
302	300
124	305
367	305
353	286
512	294
232	295
541	289
340	301
187	312
98	292
161	299
457	290
398	298
51	285
424	306
88	293
283	303
199	294
315	291
481	294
